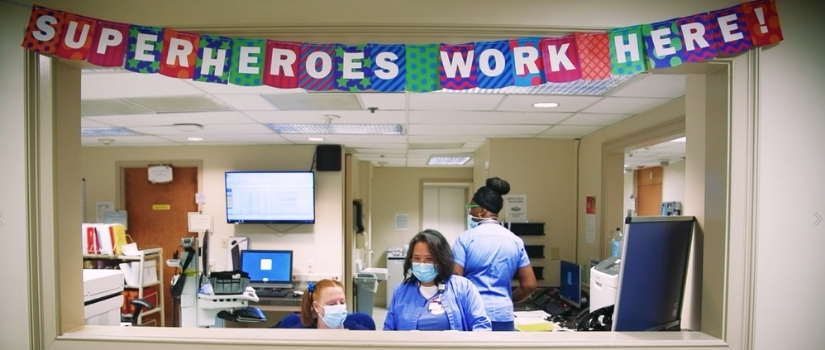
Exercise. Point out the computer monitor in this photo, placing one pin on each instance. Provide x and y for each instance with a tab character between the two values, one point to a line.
570	288
268	268
652	277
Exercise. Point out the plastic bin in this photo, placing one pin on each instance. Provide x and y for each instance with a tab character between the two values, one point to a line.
366	284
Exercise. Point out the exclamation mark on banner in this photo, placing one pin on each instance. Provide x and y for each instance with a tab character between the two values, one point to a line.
760	16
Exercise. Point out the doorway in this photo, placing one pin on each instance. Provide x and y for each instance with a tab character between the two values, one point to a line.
649	191
158	215
443	209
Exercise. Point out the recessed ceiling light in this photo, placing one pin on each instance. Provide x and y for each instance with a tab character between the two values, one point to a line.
340	129
448	160
195	138
545	104
106	131
315	138
681	139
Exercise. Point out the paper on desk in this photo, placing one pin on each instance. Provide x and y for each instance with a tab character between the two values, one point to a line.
530	314
535	327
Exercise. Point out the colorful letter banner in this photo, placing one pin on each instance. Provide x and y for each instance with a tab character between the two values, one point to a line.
529	61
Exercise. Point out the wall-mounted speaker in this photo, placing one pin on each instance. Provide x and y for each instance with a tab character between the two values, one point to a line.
328	158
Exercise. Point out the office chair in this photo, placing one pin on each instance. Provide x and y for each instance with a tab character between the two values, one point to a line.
139	304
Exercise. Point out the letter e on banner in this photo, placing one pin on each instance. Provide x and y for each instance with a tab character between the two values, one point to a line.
44	31
180	51
733	37
763	22
109	44
281	66
663	44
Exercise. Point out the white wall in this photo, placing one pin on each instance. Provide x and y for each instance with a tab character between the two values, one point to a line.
673	182
322	242
790	186
13	201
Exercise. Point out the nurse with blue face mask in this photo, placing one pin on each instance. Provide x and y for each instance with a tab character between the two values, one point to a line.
432	298
489	255
323	306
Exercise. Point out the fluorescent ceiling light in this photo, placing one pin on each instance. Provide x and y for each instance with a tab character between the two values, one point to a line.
545	104
195	138
681	139
315	138
448	160
573	88
106	131
340	129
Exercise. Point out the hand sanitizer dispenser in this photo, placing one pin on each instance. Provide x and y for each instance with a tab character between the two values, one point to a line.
604	283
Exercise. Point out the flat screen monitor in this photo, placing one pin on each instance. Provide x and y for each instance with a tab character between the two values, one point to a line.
570	288
652	276
270	197
268	268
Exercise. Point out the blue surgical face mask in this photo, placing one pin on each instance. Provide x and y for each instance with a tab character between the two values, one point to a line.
334	315
470	222
424	272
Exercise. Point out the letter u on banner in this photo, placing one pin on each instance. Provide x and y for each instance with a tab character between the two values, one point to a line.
44	31
109	45
180	51
77	38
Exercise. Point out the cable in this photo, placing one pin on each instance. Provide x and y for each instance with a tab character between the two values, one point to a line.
313	160
17	3
275	229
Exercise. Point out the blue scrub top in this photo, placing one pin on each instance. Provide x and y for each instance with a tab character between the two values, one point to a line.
433	316
490	255
461	301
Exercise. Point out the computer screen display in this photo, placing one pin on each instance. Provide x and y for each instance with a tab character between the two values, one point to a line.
268	268
653	272
570	288
270	197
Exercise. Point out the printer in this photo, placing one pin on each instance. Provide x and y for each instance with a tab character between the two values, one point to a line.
604	283
102	296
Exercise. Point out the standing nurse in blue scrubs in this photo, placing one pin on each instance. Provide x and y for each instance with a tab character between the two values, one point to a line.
490	256
432	298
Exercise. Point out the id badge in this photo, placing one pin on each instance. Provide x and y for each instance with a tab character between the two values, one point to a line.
436	308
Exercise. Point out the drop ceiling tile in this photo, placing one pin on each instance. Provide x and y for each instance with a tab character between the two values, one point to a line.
431	129
246	102
140	140
571	130
384	101
453	102
565	137
209	129
414	152
399	147
89	123
203	118
113	85
179	104
524	103
380	151
328	101
319	117
594	119
347	139
485	118
654	85
110	107
447	138
213	88
625	105
229	139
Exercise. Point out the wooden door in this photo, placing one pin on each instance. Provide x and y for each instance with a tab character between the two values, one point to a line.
649	191
158	216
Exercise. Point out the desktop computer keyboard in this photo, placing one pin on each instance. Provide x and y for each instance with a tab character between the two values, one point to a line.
250	314
554	309
273	293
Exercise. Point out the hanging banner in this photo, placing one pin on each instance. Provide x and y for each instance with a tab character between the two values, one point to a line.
529	61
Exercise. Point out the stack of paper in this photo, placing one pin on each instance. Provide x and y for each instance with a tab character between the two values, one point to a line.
532	321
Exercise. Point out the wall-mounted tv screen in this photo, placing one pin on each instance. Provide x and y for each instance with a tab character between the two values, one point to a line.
270	197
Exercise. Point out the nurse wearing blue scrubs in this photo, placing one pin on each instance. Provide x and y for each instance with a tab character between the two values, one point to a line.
490	256
432	298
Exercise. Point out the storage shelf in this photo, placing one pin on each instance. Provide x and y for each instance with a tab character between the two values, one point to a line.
144	285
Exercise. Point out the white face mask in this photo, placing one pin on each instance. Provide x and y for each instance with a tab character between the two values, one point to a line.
334	315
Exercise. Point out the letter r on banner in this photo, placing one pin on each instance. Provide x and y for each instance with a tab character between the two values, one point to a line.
180	51
281	66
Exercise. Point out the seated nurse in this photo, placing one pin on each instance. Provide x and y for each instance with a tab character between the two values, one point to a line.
432	298
324	306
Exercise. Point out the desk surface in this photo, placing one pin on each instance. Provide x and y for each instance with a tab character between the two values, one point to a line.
289	303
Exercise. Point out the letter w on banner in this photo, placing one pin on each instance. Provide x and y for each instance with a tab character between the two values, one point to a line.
457	71
561	59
